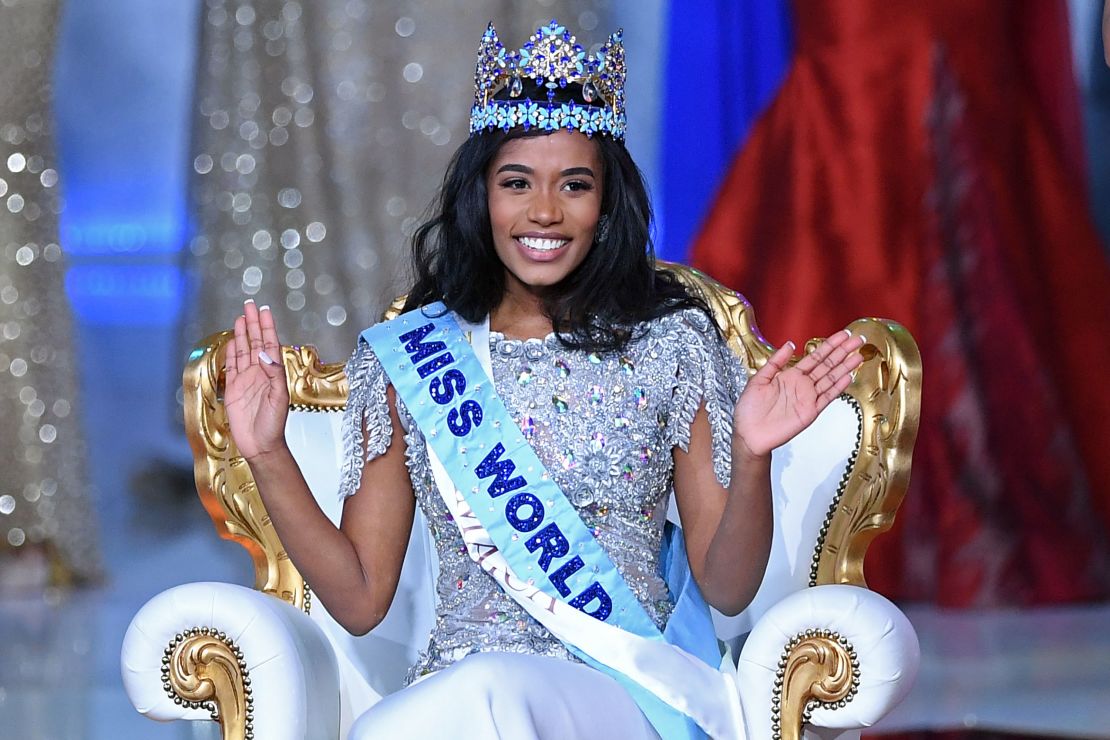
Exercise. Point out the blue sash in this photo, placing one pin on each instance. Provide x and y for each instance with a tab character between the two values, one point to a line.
435	371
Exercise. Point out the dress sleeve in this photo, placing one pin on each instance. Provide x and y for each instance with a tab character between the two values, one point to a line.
367	409
708	373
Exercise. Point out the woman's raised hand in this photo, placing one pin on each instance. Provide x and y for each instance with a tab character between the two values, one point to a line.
780	401
256	396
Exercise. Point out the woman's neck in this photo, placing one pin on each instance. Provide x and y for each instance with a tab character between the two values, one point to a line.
520	316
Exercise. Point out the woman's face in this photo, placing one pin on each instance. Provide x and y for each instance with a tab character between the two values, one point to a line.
544	203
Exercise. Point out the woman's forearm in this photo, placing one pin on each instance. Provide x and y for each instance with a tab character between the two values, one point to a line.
738	553
321	551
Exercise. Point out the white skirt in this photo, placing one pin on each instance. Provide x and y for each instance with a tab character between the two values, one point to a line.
507	696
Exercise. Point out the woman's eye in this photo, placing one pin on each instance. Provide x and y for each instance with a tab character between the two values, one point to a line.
578	186
516	183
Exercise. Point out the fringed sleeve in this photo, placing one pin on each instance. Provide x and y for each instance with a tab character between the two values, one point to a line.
708	373
367	430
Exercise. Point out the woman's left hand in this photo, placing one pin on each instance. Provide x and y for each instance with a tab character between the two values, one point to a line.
780	401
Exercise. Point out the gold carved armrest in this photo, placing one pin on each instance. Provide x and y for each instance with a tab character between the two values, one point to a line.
224	481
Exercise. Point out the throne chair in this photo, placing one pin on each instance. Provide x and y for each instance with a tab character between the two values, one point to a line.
816	654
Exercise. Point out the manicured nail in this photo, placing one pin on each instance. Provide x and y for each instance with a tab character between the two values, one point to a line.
848	332
863	338
263	308
792	345
249	300
265	357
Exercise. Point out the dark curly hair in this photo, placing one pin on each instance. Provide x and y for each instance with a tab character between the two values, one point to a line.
597	306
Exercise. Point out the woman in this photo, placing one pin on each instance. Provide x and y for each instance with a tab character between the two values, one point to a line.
614	384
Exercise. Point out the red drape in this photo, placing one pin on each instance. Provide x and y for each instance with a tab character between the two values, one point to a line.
923	162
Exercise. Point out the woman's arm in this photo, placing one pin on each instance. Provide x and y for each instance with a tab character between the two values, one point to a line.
354	568
728	530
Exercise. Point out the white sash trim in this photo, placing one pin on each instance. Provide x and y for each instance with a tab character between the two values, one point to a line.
705	694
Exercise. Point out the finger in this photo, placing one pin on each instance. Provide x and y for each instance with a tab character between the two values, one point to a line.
776	362
832	392
843	352
269	333
242	345
254	329
839	376
229	360
821	351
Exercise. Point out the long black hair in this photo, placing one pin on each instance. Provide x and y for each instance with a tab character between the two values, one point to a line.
598	306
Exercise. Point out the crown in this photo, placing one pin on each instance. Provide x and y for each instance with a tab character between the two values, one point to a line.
553	59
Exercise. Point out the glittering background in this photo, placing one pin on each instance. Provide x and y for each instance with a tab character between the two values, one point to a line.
44	494
321	133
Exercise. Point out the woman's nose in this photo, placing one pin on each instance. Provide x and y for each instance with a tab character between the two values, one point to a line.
544	208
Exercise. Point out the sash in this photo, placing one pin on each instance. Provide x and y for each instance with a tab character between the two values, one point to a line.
519	528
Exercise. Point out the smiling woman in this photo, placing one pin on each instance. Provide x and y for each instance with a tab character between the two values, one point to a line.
544	394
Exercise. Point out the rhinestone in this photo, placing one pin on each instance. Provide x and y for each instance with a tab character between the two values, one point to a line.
626	366
563	368
516	87
597	396
528	427
560	404
567	459
641	398
589	92
524	377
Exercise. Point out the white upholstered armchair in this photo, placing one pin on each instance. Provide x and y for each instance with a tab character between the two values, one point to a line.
817	654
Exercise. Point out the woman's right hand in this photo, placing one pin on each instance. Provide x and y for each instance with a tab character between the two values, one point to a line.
256	396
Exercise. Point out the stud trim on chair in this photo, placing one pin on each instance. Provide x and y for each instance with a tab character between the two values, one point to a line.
204	669
818	668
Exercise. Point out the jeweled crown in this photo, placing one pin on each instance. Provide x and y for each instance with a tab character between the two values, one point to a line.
553	59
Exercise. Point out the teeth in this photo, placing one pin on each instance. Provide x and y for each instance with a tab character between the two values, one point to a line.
542	245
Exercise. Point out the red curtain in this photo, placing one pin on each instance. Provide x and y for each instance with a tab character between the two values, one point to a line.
923	162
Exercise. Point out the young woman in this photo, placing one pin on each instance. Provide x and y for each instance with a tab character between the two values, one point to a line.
614	389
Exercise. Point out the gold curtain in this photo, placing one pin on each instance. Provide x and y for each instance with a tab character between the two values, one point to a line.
321	133
44	494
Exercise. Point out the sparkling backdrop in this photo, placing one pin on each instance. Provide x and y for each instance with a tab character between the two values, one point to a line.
321	133
44	498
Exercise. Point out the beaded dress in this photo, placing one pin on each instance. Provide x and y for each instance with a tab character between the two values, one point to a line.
603	424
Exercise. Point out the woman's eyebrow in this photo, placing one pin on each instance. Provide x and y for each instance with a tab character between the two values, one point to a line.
524	169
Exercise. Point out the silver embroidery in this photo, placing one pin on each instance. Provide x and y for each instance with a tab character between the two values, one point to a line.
603	425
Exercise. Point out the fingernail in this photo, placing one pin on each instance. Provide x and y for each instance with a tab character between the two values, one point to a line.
249	300
848	332
863	338
263	308
792	345
265	357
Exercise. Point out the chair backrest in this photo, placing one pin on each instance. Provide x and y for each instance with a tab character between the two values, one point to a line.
836	486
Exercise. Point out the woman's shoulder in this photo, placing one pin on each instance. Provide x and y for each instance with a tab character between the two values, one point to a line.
684	324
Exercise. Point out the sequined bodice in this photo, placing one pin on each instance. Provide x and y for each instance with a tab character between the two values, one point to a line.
604	426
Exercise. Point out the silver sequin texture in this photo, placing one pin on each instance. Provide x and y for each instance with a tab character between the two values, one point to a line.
609	450
44	495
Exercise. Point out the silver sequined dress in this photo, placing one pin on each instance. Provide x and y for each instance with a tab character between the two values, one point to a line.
604	425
